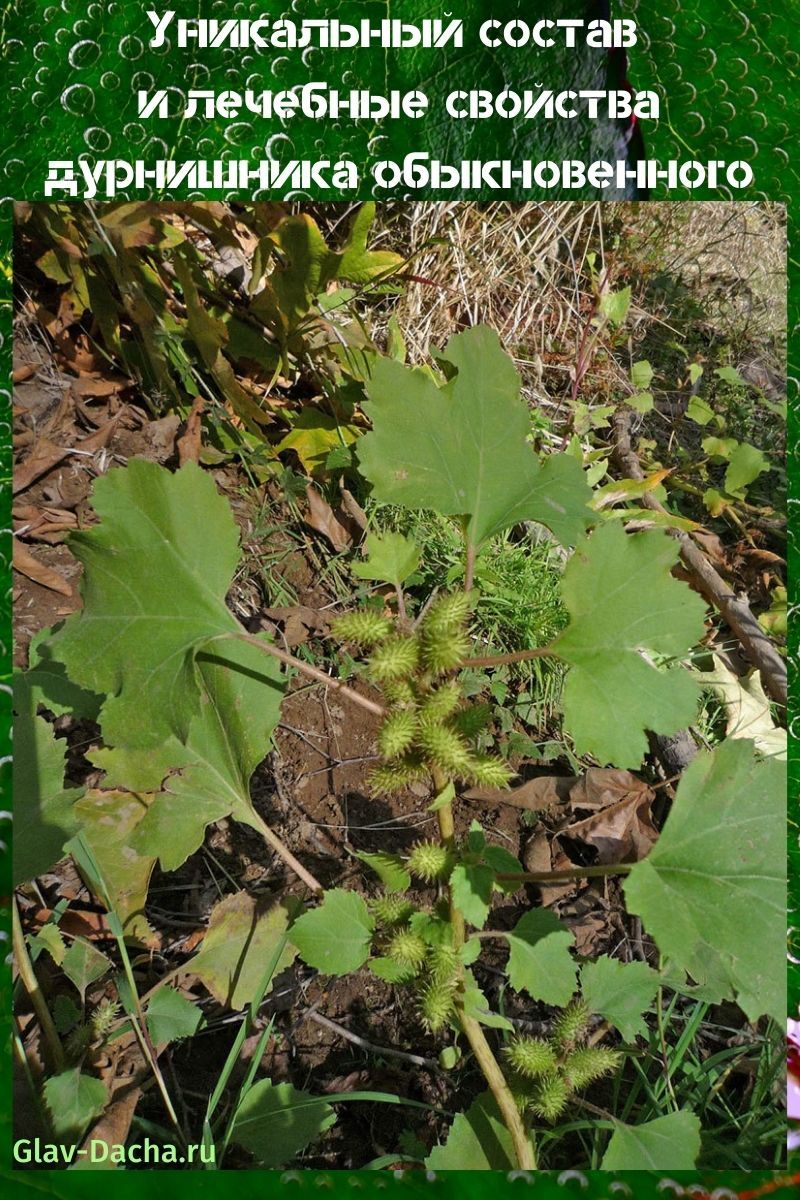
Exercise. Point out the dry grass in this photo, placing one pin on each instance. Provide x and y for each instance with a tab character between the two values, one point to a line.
524	269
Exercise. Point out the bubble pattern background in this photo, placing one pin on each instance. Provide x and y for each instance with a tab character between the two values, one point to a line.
727	72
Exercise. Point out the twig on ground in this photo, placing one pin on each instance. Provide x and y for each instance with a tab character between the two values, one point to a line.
734	609
418	1060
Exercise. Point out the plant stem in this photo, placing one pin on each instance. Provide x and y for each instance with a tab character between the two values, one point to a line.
498	660
305	668
469	567
595	872
285	853
480	1047
31	984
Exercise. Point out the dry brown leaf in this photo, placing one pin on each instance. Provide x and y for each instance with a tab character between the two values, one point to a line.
26	371
114	1124
91	385
622	832
354	510
538	859
44	457
544	792
161	436
322	519
298	622
28	565
190	443
601	787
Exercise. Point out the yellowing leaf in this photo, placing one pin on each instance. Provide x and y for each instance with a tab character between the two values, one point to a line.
243	935
313	436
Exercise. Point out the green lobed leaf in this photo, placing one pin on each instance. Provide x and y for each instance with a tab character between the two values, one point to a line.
540	962
471	888
83	964
240	692
358	264
699	410
389	868
335	936
670	1143
615	305
622	600
171	1016
276	1121
461	448
477	1006
156	572
712	891
243	934
73	1100
620	992
478	1141
391	558
745	465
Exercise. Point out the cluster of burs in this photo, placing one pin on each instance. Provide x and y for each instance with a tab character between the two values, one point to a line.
428	727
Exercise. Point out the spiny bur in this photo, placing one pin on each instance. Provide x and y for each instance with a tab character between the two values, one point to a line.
104	1017
471	721
550	1098
486	771
408	949
448	613
531	1057
397	733
572	1025
396	658
391	909
444	651
400	693
441	703
430	861
589	1063
394	776
444	747
443	963
363	628
435	1000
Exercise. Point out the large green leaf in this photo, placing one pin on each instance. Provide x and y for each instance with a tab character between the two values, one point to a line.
620	992
44	810
712	891
241	691
462	449
623	600
275	1121
670	1143
335	936
540	962
157	569
478	1141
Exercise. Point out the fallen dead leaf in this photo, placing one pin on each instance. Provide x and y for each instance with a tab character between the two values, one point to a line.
335	526
544	792
298	621
26	371
161	435
622	832
43	458
28	565
191	440
601	787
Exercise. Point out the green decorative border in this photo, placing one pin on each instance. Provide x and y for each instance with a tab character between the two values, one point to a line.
728	70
